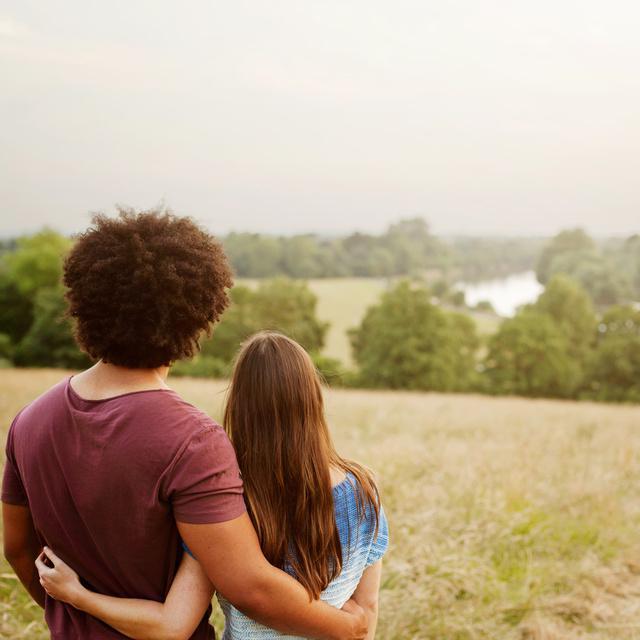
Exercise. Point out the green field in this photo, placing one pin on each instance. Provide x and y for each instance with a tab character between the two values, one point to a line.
510	519
342	302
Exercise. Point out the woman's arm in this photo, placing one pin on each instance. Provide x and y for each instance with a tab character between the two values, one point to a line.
175	619
230	555
366	595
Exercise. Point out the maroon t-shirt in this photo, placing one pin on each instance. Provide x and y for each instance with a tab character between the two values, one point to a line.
106	481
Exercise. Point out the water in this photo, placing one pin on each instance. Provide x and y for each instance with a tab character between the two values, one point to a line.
505	294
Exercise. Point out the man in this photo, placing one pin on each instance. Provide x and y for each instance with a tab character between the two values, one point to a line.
111	467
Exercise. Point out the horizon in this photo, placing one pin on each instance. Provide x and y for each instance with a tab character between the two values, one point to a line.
8	236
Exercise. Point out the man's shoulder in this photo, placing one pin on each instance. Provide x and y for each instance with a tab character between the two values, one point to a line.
180	414
46	402
167	423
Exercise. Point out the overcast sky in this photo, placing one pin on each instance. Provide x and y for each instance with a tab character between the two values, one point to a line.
483	116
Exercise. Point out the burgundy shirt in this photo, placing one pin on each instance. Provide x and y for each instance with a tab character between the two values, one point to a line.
106	480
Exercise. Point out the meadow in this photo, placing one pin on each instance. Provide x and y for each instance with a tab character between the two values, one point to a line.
343	302
510	518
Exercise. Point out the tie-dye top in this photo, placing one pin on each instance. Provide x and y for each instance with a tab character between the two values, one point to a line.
360	549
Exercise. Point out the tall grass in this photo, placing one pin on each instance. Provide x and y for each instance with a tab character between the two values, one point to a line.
510	518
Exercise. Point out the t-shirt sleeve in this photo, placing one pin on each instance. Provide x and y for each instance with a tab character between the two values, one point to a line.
381	541
13	491
203	483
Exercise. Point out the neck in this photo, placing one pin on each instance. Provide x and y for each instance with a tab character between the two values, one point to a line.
105	380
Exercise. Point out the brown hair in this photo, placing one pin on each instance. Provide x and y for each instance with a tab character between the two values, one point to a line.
143	287
275	419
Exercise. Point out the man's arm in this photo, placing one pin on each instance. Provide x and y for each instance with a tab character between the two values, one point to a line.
231	557
21	547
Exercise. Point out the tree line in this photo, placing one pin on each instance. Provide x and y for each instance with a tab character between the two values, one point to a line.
580	339
406	248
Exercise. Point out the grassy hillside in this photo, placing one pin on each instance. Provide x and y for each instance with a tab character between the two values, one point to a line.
342	302
510	519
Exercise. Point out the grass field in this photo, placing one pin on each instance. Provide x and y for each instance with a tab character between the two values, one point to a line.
342	302
510	518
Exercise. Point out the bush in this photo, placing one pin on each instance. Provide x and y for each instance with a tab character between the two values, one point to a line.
281	305
50	342
574	253
529	355
331	369
36	263
569	305
406	342
614	373
16	310
201	367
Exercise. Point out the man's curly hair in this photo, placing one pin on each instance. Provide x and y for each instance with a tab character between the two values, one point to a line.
143	287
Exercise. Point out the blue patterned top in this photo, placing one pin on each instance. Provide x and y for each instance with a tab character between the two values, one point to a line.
360	549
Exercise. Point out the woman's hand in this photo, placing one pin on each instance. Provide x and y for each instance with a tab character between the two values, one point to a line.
60	581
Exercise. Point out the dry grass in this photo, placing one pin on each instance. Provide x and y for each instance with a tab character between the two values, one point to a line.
511	518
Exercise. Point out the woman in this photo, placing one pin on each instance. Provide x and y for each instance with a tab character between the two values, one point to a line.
317	515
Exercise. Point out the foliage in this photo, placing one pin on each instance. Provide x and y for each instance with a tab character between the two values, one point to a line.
32	305
201	367
331	369
485	306
615	367
529	356
566	242
406	342
574	253
625	257
6	348
472	258
36	262
280	304
595	273
49	341
406	247
16	310
570	307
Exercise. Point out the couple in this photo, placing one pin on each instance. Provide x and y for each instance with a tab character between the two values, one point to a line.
112	474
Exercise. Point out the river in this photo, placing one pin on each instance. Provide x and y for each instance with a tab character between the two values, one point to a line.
505	294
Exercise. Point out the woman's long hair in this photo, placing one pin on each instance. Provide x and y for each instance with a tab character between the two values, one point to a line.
275	419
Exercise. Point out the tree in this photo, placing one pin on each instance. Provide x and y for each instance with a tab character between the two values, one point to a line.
627	261
253	255
16	310
49	341
36	262
529	355
406	342
605	284
569	305
300	257
237	323
574	253
571	241
280	304
412	246
615	369
290	306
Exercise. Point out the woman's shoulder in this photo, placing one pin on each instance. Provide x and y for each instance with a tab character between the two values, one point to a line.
356	499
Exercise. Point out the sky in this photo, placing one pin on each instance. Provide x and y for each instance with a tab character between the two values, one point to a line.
485	117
